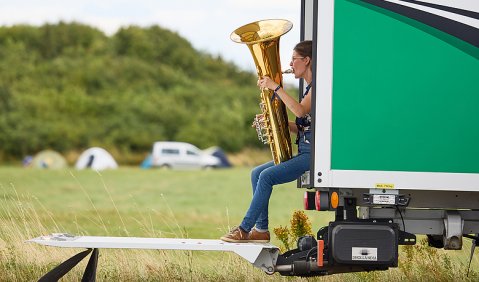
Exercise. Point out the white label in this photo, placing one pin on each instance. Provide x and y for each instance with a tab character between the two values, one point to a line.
384	199
370	254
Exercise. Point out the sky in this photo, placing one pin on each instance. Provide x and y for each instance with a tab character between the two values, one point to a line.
207	24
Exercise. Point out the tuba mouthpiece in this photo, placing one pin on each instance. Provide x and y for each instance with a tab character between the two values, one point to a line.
288	71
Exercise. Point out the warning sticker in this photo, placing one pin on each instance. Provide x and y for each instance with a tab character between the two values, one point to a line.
369	254
384	185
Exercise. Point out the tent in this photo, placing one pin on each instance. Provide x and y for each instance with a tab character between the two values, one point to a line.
220	154
147	162
48	159
97	159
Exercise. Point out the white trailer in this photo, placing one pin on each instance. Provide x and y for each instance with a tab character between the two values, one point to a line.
395	143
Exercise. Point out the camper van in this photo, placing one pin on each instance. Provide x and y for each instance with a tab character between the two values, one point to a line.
181	155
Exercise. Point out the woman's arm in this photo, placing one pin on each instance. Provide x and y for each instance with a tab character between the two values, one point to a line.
298	109
293	127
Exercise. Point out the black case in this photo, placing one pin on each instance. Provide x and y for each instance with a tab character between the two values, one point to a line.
365	243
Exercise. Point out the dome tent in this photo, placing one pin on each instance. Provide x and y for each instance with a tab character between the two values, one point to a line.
48	159
146	163
220	154
96	158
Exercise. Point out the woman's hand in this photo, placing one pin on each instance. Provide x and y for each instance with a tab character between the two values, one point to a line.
267	82
292	126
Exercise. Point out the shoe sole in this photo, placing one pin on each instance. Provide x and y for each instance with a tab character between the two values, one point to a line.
233	240
258	241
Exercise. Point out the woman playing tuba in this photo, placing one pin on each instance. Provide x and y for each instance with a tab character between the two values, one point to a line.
254	227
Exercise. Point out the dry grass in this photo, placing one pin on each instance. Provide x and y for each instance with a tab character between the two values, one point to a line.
250	157
22	217
23	261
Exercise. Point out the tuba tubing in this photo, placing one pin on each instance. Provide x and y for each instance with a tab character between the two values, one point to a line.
262	39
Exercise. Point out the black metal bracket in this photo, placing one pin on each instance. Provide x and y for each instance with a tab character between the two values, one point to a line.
90	271
399	200
406	238
347	211
475	239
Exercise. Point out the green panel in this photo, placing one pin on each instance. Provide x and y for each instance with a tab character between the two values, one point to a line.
405	96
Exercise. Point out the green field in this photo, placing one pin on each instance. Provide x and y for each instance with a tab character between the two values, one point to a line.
158	203
136	202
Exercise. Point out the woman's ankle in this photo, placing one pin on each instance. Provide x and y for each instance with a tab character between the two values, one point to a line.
261	230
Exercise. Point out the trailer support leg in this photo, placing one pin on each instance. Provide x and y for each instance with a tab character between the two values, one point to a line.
453	224
65	267
473	247
90	270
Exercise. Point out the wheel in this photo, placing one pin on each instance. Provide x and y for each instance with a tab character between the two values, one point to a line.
165	167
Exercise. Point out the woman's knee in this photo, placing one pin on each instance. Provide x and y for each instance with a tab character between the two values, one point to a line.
266	177
255	174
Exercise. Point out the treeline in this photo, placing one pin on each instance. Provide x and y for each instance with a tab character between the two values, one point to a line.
68	86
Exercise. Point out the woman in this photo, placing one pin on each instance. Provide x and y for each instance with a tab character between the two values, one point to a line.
254	227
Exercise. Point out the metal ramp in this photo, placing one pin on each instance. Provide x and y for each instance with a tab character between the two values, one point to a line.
261	255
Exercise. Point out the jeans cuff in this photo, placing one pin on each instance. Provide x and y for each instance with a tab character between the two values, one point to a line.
262	230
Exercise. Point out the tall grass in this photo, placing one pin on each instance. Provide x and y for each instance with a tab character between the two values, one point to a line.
24	216
23	261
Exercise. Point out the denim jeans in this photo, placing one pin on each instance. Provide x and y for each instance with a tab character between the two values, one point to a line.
266	175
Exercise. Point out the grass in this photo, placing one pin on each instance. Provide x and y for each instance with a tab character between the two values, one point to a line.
132	201
162	203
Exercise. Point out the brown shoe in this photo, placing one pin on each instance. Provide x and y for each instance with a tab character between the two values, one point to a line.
258	237
236	235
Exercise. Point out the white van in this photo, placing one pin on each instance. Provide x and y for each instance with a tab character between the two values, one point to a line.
181	155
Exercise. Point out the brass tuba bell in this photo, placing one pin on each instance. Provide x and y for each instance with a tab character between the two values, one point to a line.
262	39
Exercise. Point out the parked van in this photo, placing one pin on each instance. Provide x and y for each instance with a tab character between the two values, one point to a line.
181	155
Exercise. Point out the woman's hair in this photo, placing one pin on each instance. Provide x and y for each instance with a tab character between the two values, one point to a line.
305	48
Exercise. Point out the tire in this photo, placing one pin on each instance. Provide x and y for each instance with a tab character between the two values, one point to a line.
165	167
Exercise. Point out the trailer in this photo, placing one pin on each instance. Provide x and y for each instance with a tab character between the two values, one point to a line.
395	140
395	130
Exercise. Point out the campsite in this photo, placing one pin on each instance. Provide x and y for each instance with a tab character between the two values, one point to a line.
69	89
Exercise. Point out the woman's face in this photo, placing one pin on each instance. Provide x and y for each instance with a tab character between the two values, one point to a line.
299	64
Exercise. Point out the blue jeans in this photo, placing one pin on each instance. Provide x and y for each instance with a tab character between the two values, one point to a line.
266	175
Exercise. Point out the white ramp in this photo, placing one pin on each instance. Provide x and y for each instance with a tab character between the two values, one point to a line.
261	255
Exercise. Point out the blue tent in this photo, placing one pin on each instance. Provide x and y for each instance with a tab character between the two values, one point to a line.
220	154
146	162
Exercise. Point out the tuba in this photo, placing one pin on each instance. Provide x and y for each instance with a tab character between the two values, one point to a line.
262	39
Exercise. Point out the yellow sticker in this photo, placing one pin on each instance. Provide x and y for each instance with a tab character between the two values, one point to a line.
384	185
